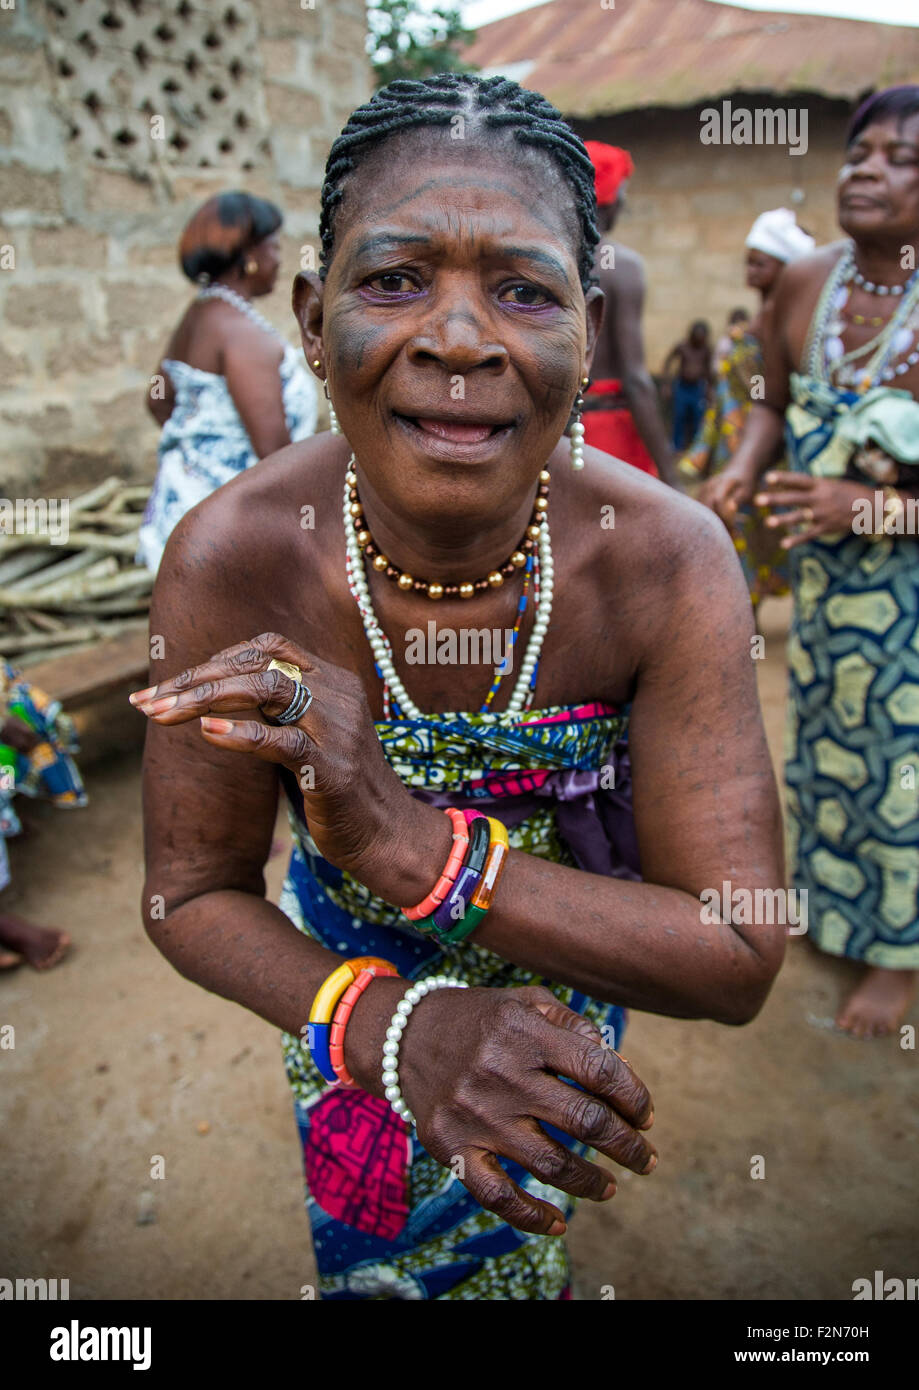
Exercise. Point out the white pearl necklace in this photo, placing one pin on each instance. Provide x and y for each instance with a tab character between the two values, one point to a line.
379	643
394	1037
238	302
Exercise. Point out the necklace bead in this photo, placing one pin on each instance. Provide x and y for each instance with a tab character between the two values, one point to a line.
467	588
238	302
870	288
542	567
825	352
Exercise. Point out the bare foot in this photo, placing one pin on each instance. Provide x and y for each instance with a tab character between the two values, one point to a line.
42	947
878	1003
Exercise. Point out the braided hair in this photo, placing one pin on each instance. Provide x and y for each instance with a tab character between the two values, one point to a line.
496	103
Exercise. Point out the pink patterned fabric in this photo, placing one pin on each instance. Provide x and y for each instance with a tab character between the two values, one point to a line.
517	783
356	1158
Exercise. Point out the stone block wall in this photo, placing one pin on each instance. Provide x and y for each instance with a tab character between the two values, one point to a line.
117	119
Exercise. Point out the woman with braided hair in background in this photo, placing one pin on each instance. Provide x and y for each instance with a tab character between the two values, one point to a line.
453	321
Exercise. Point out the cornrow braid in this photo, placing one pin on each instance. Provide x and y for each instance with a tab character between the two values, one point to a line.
435	101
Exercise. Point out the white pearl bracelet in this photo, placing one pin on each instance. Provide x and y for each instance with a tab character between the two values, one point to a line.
394	1037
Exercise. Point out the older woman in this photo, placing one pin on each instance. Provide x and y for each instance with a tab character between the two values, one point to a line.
842	367
774	241
454	322
229	389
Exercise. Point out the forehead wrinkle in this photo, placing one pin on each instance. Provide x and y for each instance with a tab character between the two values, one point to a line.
458	180
494	184
883	126
383	240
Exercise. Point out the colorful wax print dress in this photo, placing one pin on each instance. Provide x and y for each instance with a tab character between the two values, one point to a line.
852	751
389	1221
765	564
204	443
48	769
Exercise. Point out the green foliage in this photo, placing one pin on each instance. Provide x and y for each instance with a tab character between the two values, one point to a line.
406	40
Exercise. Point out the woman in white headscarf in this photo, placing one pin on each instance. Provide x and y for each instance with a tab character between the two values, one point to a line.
775	239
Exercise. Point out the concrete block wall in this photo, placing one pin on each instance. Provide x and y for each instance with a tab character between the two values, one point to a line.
117	119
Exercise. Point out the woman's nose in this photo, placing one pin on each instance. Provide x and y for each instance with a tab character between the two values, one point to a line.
873	166
458	341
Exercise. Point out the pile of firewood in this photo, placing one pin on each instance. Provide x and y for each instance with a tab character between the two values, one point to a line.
57	598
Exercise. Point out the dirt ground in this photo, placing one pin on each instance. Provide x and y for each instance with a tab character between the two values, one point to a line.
118	1062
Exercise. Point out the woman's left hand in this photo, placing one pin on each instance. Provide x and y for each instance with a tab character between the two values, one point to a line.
821	506
359	814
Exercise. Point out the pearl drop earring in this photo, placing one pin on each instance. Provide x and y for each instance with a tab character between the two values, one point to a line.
334	426
577	429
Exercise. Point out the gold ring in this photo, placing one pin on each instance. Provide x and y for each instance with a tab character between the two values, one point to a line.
287	668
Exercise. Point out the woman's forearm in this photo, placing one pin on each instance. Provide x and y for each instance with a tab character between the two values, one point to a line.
626	942
245	949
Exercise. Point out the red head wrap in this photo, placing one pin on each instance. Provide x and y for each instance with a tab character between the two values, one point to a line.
612	166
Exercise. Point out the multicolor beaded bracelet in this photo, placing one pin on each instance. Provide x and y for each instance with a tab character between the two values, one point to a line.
454	906
324	1005
343	1015
452	867
483	897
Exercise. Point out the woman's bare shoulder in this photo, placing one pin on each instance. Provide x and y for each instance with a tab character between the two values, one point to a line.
266	512
651	536
810	270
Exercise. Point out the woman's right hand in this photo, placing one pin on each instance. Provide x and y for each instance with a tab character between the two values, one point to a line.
727	492
479	1068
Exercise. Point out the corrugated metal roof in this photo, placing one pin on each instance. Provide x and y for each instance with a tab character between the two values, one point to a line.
589	60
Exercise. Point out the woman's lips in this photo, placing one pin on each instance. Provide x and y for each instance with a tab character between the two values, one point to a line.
455	441
465	432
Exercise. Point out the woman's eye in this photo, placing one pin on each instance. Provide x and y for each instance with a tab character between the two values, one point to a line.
532	296
392	282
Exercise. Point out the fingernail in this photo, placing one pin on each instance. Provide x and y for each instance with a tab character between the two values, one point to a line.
217	726
608	1191
160	706
140	697
648	1122
558	1228
761	499
652	1164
